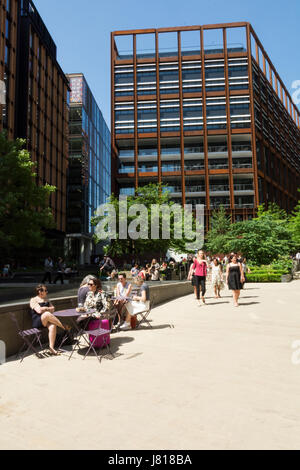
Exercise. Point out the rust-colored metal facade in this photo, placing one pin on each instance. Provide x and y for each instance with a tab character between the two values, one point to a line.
218	125
8	62
42	107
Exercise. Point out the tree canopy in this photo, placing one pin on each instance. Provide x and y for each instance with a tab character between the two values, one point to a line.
294	227
261	240
154	234
218	235
24	210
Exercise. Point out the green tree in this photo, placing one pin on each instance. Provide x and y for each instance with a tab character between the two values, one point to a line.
146	196
261	240
294	226
24	211
217	236
273	211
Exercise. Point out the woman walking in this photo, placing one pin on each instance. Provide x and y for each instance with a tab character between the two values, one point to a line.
235	278
199	269
216	277
191	276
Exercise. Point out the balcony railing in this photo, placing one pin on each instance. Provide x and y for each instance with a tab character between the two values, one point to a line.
244	206
195	189
219	187
219	166
187	167
243	187
216	205
241	165
187	150
196	166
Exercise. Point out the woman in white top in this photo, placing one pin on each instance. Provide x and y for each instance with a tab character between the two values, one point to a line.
216	277
139	303
154	270
124	289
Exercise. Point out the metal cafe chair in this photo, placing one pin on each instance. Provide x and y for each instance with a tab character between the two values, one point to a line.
30	338
95	334
91	336
144	315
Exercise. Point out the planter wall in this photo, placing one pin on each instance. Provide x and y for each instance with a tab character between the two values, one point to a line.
159	293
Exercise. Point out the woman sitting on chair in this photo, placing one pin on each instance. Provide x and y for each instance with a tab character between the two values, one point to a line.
96	299
98	307
42	315
140	303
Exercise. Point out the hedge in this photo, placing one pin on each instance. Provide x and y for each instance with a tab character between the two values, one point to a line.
264	277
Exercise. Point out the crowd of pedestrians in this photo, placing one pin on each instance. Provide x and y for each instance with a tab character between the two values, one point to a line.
231	270
57	271
133	296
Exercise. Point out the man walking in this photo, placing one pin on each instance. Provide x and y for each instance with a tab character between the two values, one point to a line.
107	265
48	267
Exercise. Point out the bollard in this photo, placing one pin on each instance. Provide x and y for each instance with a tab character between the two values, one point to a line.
2	353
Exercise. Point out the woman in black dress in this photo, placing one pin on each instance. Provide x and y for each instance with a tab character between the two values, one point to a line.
42	315
235	278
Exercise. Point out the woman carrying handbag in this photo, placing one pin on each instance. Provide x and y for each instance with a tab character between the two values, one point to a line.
199	269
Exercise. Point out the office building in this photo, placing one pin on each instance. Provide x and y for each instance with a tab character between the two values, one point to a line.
204	110
9	14
36	107
89	174
42	109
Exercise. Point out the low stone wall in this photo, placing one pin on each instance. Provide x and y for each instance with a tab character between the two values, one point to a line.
159	294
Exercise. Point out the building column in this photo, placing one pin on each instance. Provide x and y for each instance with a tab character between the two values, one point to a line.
82	251
88	251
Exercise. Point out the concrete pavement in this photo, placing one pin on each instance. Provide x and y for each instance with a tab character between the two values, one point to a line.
214	377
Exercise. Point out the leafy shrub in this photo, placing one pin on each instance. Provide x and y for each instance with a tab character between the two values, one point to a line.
283	263
264	277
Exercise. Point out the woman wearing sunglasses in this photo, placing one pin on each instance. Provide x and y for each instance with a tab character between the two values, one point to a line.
42	315
96	299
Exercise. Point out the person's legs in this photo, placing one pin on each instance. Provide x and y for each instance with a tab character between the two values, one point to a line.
52	336
47	277
197	279
203	288
216	291
121	311
49	318
127	317
59	277
235	298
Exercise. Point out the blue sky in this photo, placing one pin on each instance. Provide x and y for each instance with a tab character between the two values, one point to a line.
82	35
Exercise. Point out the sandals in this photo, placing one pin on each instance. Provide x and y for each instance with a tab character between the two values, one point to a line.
53	352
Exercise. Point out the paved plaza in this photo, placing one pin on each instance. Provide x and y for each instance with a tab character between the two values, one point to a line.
214	377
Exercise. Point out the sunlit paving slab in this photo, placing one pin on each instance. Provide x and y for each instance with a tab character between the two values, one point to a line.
212	377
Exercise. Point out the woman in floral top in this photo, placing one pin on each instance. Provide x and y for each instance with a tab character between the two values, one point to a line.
96	300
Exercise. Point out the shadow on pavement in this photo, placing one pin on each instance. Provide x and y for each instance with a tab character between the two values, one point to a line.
244	304
217	303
